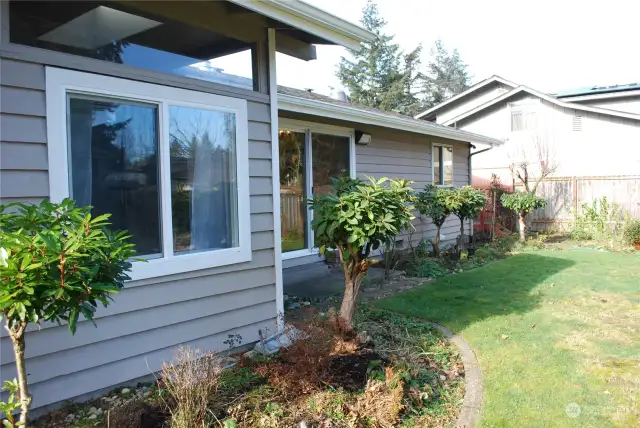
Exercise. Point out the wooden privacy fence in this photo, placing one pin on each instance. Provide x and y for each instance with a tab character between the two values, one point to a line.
292	209
565	196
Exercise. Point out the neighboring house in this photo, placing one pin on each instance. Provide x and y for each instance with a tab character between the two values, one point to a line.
595	132
592	135
104	103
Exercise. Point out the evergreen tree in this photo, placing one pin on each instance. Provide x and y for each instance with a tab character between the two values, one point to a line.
381	75
447	76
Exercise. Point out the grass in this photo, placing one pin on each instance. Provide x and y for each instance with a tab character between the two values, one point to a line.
550	329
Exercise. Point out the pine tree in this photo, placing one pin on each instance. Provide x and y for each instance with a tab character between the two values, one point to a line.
447	76
381	75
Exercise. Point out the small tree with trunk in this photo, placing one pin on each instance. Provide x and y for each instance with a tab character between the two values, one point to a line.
356	218
522	203
431	202
56	263
533	161
466	203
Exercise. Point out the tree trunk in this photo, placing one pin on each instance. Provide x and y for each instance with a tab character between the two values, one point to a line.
522	222
353	275
17	338
436	242
462	244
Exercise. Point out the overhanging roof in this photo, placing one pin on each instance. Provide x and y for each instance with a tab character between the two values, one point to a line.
311	19
299	101
472	89
521	88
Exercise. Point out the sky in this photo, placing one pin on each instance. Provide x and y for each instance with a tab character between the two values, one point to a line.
548	45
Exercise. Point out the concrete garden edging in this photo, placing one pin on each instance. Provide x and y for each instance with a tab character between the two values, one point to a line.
472	404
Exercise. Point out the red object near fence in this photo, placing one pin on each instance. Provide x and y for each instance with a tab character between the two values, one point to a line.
482	223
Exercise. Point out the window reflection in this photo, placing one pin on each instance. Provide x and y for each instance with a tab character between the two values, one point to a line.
203	179
112	32
114	165
293	190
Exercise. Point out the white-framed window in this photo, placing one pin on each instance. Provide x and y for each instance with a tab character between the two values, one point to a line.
170	165
442	165
524	117
310	155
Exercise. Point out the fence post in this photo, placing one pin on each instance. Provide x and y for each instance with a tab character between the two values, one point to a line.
575	200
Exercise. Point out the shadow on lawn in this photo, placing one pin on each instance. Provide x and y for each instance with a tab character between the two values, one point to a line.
501	288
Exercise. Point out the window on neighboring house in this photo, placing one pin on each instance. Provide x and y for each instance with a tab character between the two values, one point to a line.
170	165
523	118
138	34
309	157
442	165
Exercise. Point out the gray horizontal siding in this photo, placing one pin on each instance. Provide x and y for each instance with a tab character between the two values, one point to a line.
149	317
402	155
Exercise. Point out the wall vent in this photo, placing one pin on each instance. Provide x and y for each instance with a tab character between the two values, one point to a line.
577	123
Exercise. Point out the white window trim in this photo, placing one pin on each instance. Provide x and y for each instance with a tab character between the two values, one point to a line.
61	81
433	169
309	128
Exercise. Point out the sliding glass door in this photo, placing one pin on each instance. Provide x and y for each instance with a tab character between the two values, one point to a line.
308	161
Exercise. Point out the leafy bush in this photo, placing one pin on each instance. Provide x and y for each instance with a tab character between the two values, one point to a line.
11	405
632	232
522	203
57	263
598	220
487	253
427	268
357	218
466	203
431	202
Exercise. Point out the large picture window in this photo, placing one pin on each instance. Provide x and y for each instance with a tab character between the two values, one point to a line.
170	165
310	155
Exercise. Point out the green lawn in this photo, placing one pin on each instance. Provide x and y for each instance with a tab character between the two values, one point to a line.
550	329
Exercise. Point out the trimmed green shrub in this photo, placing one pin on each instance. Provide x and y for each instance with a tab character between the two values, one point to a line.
522	203
356	218
427	268
632	232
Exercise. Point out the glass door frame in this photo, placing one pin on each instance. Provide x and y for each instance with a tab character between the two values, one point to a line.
309	128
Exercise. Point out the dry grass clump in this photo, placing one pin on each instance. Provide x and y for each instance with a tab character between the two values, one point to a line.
191	379
381	402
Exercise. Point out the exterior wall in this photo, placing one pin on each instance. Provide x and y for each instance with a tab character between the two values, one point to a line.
627	104
472	101
149	318
605	145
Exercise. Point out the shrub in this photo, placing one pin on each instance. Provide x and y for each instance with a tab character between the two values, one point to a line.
487	253
427	268
431	202
57	264
191	379
522	203
632	232
598	220
355	219
466	203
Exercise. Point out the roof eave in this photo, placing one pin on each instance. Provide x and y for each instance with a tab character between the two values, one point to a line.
463	94
353	114
522	88
312	20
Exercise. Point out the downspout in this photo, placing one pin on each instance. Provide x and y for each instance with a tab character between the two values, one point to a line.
471	146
